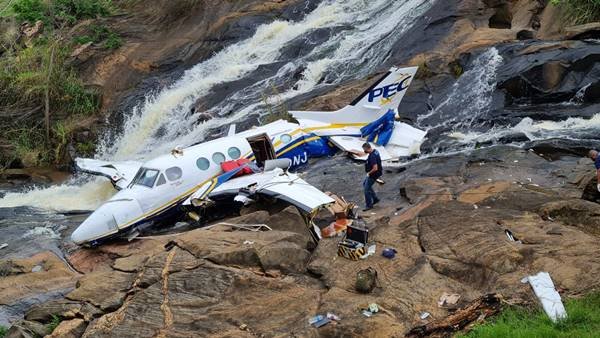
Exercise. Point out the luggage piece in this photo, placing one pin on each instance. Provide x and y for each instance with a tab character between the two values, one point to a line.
355	243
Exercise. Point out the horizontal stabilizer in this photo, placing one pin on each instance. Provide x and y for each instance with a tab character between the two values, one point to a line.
119	173
405	141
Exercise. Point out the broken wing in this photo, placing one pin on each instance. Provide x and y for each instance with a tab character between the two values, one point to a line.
119	173
277	184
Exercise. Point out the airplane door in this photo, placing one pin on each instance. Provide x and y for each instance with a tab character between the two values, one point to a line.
263	149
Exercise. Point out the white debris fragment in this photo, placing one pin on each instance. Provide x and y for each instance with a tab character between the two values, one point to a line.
475	206
516	161
248	242
424	315
544	290
4	245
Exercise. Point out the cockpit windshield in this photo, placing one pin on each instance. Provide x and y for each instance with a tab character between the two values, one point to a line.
145	177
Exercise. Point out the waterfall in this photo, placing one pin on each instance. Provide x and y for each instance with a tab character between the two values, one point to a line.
361	35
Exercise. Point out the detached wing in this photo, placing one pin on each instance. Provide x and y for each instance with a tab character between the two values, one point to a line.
119	173
277	184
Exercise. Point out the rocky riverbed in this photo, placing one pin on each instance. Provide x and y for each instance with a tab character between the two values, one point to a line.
446	217
509	96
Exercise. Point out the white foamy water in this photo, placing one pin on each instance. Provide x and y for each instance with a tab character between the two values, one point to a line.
87	196
470	97
362	33
534	130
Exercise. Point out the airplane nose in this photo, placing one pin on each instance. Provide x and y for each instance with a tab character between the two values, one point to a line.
99	224
107	220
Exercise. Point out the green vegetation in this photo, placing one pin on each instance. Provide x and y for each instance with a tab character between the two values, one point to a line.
580	11
54	323
583	321
60	12
41	94
456	68
3	331
98	34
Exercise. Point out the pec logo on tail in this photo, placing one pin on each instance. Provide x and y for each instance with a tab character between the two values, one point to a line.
387	92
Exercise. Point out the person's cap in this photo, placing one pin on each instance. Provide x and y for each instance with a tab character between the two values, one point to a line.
366	145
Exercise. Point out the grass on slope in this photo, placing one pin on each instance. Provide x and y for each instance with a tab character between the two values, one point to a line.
583	321
580	11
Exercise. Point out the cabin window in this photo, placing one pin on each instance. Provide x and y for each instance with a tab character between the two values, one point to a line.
234	153
218	158
161	180
285	138
174	173
203	163
146	177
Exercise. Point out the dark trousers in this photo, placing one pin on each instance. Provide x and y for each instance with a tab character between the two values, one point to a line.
370	196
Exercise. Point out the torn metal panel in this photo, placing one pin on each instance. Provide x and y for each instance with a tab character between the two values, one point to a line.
119	173
277	184
544	290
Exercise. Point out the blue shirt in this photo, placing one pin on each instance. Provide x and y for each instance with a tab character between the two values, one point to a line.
597	162
372	160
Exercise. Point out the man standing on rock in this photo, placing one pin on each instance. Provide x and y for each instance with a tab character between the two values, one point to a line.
593	154
374	171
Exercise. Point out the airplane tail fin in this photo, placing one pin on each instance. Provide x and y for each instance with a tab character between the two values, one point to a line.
385	94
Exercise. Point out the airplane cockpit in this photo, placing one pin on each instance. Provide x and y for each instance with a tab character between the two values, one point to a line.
147	177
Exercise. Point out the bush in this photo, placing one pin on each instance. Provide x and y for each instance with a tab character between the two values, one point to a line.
98	34
3	331
23	84
55	12
30	11
54	323
73	10
580	11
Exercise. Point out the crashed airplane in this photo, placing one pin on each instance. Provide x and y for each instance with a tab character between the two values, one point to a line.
250	164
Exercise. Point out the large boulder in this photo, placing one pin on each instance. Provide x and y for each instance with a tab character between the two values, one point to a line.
73	328
105	290
280	250
576	212
212	300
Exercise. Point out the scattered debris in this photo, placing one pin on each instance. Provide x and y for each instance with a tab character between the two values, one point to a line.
248	227
320	320
424	315
447	299
36	268
333	316
477	310
366	280
4	245
371	309
243	327
371	250
248	242
389	253
544	290
475	206
511	236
